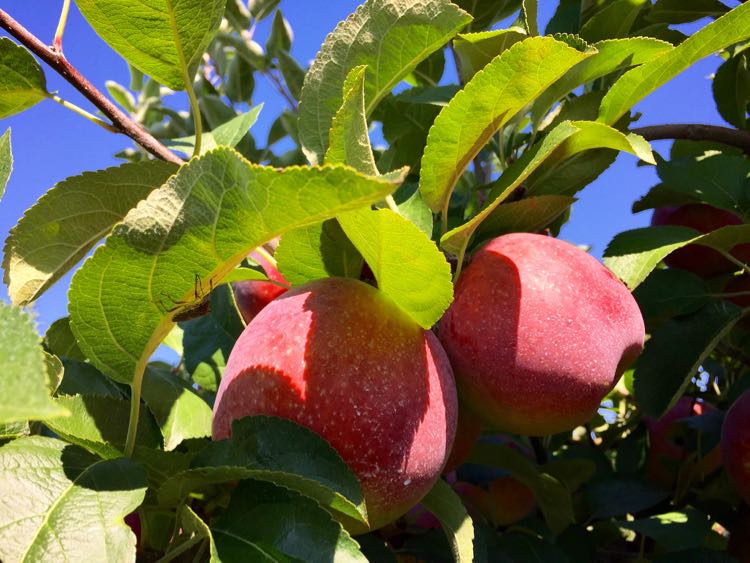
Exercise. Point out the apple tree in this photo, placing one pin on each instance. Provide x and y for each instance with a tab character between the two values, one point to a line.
360	338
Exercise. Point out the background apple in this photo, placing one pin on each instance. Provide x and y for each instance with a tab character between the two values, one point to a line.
735	444
668	450
700	260
468	430
339	357
252	296
538	333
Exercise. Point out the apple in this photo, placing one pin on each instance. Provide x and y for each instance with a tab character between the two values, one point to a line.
510	501
253	295
735	445
700	260
667	453
468	430
339	357
538	333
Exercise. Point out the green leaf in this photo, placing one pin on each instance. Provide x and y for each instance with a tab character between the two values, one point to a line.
121	95
61	503
100	424
621	494
23	84
487	12
731	88
276	512
194	527
179	411
612	21
293	73
6	161
611	55
390	37
475	50
632	255
680	11
185	237
673	530
59	340
261	9
408	266
69	220
240	81
529	10
529	215
316	252
447	507
675	351
280	38
228	134
415	210
277	450
670	293
81	378
349	139
162	38
491	99
24	394
553	497
639	82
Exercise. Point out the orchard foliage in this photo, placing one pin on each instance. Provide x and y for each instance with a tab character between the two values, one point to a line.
107	454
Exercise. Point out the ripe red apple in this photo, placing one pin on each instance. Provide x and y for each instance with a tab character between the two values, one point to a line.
510	501
468	430
700	260
667	451
735	445
252	295
338	356
538	333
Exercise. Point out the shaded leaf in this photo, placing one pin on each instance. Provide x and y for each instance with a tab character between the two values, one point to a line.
22	82
447	507
6	161
673	530
621	494
228	134
731	89
680	11
612	21
529	215
293	73
670	293
60	341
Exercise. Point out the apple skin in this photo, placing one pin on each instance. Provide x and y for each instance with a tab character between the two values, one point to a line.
665	455
468	430
338	356
252	295
700	260
538	333
735	445
510	501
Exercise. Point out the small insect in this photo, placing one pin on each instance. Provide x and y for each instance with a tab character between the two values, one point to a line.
199	306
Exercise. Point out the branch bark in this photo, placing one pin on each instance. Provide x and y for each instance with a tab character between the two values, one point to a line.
697	132
57	61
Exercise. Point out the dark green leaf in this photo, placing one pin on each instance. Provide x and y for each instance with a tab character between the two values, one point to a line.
670	293
81	378
487	12
618	495
240	82
293	73
22	81
673	530
684	11
60	340
731	88
612	21
280	38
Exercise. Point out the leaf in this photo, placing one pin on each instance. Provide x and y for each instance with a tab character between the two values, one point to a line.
731	89
670	293
240	82
675	351
415	210
185	237
529	11
69	220
261	9
447	507
349	139
621	494
475	50
59	340
81	378
487	12
611	55
23	84
390	37
286	526
276	450
632	255
24	394
553	497
121	95
529	215
6	161
179	411
680	11
639	82
194	527
162	38
407	265
280	38
491	99
316	252
673	530
612	21
100	424
228	134
293	73
61	503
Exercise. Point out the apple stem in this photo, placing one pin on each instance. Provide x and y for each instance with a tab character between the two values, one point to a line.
268	257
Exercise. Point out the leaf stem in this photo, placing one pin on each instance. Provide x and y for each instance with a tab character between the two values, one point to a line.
267	256
60	64
61	26
135	406
83	113
392	204
179	550
196	111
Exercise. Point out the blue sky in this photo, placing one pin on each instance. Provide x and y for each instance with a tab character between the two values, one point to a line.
51	143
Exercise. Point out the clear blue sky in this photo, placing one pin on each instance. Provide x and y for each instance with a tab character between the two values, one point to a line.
51	143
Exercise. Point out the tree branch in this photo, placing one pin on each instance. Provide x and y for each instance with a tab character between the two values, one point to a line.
57	61
697	132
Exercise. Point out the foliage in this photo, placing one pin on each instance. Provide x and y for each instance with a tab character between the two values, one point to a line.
93	429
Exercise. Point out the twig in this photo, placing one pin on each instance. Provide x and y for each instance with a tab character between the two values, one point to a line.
697	132
281	89
60	64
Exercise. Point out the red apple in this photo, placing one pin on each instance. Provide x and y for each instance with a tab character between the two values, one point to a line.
538	333
339	357
666	453
468	430
510	501
700	260
735	445
252	296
